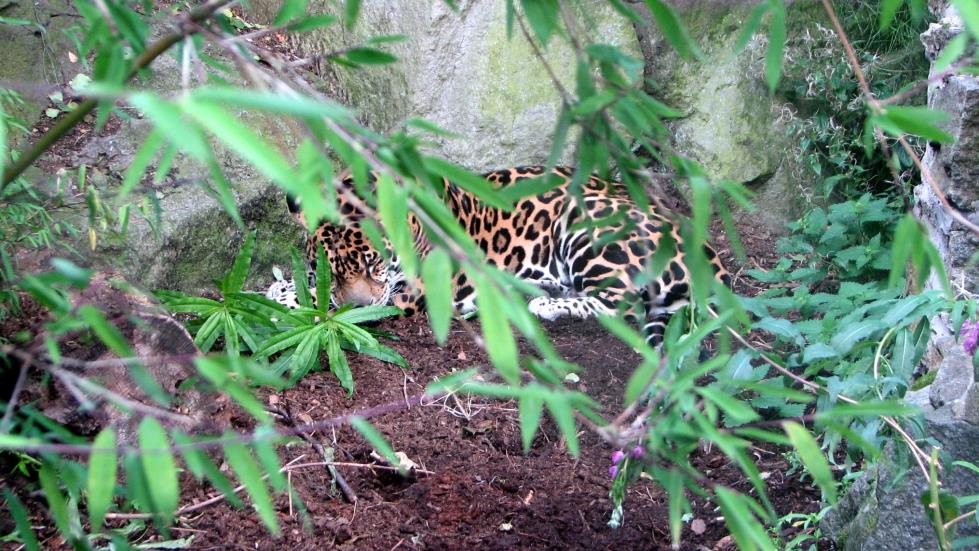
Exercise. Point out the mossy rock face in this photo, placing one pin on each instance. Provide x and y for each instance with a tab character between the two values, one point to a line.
732	124
194	241
459	70
34	58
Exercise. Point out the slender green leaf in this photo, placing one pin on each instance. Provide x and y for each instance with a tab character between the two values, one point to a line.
235	279
351	12
437	277
776	44
542	16
500	344
324	280
23	523
250	476
737	411
370	56
140	162
158	463
101	477
375	439
673	29
560	408
290	10
168	119
57	506
812	457
338	364
531	406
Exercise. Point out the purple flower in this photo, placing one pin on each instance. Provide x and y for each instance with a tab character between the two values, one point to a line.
970	336
613	470
637	452
617	456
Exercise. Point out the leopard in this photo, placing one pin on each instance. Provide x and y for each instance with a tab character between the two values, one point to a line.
549	240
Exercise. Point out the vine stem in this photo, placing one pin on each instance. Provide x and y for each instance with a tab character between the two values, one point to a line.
155	50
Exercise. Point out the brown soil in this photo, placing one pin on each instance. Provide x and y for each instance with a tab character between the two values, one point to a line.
484	493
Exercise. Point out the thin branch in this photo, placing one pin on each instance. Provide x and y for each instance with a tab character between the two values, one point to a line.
8	415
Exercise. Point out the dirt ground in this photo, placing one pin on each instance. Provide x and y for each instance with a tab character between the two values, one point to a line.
483	493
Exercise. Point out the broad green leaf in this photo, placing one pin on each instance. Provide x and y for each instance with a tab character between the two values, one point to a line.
250	476
530	408
302	284
437	277
500	344
101	477
375	439
235	279
350	12
78	277
969	12
673	29
264	443
161	470
849	335
640	379
293	105
392	207
200	466
869	408
818	351
751	25
778	327
23	523
57	506
140	162
776	44
812	457
888	8
311	23
898	120
478	186
951	52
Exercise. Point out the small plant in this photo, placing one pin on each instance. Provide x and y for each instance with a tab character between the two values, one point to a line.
265	327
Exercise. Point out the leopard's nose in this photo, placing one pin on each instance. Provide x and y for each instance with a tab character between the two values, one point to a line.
357	292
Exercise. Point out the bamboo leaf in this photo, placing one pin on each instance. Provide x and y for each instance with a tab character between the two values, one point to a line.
563	416
500	344
812	457
531	407
250	476
158	464
737	411
23	523
437	277
101	477
375	439
776	44
141	161
673	29
290	10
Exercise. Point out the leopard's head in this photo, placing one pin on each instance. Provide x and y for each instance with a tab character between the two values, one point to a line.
361	274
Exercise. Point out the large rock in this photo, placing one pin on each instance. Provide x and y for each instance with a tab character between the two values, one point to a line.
195	240
459	70
732	125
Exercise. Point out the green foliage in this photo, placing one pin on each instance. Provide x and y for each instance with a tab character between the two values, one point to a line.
837	316
267	328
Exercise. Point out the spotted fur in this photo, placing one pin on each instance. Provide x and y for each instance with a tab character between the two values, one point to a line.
545	240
